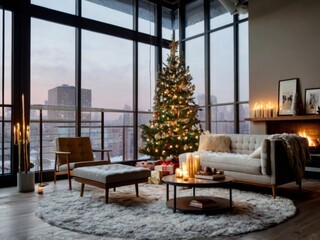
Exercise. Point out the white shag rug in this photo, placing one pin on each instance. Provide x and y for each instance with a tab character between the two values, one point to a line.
147	216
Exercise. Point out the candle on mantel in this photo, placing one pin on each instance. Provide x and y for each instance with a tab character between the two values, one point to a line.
264	110
257	110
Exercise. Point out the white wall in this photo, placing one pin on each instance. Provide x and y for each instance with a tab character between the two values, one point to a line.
284	42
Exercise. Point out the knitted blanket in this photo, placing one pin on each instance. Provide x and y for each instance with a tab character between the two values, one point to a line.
297	151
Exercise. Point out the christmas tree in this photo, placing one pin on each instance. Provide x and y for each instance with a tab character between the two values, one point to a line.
174	128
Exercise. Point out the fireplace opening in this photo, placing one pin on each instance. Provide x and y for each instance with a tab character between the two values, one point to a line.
314	141
307	126
307	129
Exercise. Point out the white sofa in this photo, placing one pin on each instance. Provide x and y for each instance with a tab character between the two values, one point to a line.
250	159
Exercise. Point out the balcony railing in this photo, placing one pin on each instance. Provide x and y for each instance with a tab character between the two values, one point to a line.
107	129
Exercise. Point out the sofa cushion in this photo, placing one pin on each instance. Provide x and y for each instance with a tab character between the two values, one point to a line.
256	153
203	141
265	157
218	143
214	142
245	143
231	162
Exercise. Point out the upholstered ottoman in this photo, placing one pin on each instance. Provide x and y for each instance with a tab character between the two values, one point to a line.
111	176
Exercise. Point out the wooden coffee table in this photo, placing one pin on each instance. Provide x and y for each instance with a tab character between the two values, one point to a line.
182	203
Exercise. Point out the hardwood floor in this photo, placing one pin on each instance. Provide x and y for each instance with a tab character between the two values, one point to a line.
18	221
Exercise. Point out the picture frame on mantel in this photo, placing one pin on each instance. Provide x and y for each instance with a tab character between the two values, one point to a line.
286	92
312	100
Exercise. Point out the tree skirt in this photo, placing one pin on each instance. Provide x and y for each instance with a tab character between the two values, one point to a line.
147	216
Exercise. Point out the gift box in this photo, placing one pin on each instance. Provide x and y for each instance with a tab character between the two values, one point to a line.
167	167
156	177
145	164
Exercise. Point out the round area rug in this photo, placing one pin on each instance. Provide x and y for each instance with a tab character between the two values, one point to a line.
147	216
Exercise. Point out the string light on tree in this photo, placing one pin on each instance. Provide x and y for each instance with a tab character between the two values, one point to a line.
174	127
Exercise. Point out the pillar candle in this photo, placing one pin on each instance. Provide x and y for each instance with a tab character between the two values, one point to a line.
190	166
184	166
23	120
185	176
196	163
28	134
14	135
178	172
18	133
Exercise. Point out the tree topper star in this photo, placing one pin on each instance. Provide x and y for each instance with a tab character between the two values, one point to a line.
174	46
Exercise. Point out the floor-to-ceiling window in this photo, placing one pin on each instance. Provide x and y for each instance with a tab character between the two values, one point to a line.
114	66
243	89
6	166
93	65
52	87
146	86
195	59
216	49
222	81
107	67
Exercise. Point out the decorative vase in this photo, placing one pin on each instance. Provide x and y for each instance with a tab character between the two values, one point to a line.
26	181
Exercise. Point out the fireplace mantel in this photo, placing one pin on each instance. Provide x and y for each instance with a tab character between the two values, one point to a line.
285	118
308	125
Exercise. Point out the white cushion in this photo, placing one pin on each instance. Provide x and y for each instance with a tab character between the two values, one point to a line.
256	153
112	173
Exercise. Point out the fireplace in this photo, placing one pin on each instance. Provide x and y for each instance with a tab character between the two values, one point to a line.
308	129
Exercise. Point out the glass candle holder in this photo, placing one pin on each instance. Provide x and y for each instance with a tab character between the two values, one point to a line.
185	176
179	173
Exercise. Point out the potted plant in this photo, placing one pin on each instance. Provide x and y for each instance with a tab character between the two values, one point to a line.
25	178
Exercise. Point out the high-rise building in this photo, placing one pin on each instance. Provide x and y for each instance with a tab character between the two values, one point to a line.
65	95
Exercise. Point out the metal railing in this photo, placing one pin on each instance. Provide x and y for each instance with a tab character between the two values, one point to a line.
105	131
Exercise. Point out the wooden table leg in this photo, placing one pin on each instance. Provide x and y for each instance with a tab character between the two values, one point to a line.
167	192
230	194
174	198
137	190
82	189
107	194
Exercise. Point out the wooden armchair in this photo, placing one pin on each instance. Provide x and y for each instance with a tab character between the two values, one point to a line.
73	152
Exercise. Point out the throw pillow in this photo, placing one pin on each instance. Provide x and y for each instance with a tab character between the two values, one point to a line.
218	143
203	140
256	153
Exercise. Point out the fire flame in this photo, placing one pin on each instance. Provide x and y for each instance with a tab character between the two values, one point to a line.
303	133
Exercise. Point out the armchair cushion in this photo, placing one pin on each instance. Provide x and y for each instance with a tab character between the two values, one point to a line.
79	147
74	165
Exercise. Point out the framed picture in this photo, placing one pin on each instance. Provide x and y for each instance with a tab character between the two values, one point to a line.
286	91
312	100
